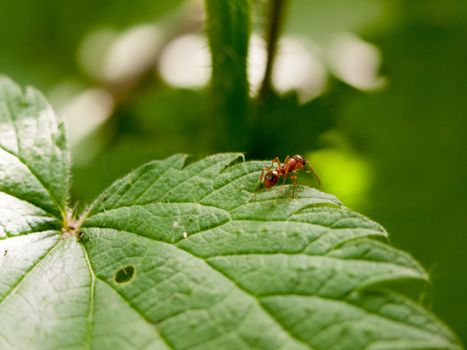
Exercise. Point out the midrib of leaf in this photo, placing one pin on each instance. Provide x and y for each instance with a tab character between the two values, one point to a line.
294	253
94	277
193	233
92	291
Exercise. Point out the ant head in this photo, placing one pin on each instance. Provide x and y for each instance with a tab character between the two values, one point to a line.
271	178
299	159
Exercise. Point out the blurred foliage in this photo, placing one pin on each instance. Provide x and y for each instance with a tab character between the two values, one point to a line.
414	135
400	152
338	158
39	38
281	125
321	19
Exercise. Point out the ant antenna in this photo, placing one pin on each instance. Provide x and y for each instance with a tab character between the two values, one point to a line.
313	172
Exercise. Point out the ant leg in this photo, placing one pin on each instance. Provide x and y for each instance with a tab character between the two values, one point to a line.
286	164
261	177
285	177
294	180
313	172
283	183
281	187
277	161
286	167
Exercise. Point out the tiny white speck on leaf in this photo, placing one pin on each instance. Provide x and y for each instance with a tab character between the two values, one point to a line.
185	235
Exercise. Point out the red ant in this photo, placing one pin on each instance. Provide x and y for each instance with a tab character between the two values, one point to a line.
270	176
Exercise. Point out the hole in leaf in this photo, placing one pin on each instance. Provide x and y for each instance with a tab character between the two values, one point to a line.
125	274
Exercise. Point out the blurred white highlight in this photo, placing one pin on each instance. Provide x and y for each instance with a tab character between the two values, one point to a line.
297	67
92	52
356	62
257	56
85	112
186	62
132	53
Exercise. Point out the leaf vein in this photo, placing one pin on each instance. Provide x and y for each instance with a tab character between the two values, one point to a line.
38	178
29	270
160	334
245	291
92	292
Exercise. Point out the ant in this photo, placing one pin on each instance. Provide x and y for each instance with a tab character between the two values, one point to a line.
270	176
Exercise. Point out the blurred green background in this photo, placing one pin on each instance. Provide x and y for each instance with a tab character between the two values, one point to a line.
373	92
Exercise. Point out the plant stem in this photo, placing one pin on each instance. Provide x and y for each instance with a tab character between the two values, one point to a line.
276	16
228	29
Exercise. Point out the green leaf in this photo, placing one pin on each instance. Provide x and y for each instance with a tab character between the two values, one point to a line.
256	269
177	256
34	161
38	294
